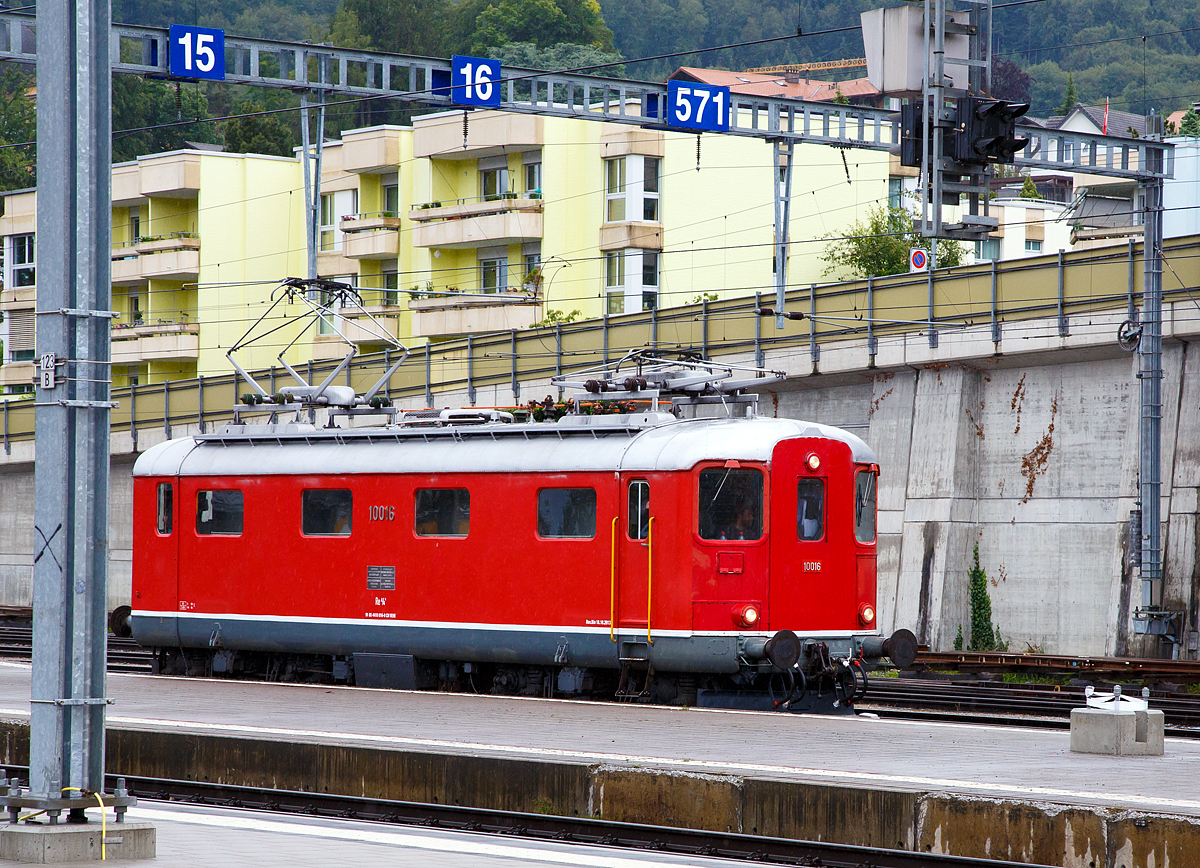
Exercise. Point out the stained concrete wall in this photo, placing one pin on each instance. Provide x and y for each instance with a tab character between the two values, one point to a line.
1027	448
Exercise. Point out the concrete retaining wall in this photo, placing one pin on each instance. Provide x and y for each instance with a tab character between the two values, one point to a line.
1050	834
1028	448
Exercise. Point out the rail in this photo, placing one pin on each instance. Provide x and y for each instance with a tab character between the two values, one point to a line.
1106	281
1051	664
536	827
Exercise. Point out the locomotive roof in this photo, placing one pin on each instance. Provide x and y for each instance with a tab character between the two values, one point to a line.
636	442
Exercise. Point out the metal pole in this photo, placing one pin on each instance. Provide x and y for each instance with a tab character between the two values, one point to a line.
872	344
200	400
814	351
783	212
758	350
1151	396
516	385
995	305
1063	326
471	369
1133	311
70	571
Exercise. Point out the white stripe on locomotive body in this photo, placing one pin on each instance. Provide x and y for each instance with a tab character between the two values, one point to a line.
460	625
578	446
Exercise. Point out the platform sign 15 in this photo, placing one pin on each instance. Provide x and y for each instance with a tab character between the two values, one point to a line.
474	81
697	106
197	52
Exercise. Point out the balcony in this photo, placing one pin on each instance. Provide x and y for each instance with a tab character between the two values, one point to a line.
639	234
371	151
175	256
126	265
387	316
440	136
471	222
172	176
371	236
16	374
18	297
161	341
457	315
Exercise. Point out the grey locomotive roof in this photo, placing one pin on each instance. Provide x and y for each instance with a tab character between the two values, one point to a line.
496	448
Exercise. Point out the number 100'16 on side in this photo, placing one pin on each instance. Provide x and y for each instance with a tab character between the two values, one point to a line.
696	106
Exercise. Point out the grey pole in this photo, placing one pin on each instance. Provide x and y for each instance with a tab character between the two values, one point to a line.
783	218
70	571
1152	618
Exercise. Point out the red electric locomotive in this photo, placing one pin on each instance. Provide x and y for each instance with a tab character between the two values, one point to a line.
719	560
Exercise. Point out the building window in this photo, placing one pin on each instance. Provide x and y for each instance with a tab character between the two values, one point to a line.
135	223
650	194
493	272
218	512
22	260
391	288
987	249
614	280
326	512
567	512
895	192
391	200
133	376
335	206
615	190
649	279
443	512
810	509
533	178
1033	246
22	335
135	309
492	183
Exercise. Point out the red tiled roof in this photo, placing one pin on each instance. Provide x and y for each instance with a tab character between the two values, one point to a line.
758	84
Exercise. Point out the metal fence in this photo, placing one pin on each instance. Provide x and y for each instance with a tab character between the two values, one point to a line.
1057	287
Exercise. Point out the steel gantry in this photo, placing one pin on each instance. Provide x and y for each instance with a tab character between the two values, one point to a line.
74	124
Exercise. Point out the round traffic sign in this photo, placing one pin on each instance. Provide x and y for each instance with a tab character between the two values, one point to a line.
918	259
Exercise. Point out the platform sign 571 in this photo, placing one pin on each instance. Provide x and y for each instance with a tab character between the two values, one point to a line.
197	52
697	106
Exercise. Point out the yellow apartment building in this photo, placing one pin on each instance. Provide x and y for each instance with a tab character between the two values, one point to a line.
520	220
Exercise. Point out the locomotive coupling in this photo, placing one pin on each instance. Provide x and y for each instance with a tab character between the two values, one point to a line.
900	648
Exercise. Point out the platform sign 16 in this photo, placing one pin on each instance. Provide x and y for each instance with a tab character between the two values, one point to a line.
697	106
474	81
197	52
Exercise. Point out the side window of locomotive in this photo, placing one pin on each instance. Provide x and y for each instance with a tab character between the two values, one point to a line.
566	513
731	503
326	512
166	508
864	506
810	509
639	509
443	512
218	512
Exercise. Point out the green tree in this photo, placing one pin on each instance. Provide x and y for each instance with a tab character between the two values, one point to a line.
839	97
264	134
1070	98
881	245
149	117
983	637
1029	189
480	25
559	57
1191	124
18	125
402	26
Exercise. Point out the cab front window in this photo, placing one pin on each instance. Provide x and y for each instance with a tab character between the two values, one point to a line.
731	503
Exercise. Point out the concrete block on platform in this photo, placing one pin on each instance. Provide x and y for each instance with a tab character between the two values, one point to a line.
1117	733
66	842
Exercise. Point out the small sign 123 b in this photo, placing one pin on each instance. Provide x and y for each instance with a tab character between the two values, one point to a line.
696	106
474	81
197	52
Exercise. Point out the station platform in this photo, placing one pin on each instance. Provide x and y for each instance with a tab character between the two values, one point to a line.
998	792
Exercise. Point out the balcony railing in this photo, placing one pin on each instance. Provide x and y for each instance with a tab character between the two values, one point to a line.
474	206
162	340
370	220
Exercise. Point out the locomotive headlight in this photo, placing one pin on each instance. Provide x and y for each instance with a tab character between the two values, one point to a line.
745	615
813	461
867	613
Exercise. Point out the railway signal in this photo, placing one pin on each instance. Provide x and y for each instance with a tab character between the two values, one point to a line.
985	131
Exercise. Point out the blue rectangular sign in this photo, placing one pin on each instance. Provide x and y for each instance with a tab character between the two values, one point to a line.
197	52
695	106
474	81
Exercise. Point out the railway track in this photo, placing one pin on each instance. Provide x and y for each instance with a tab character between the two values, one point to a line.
983	702
542	827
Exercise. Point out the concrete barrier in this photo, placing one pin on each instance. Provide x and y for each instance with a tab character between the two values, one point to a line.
928	821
